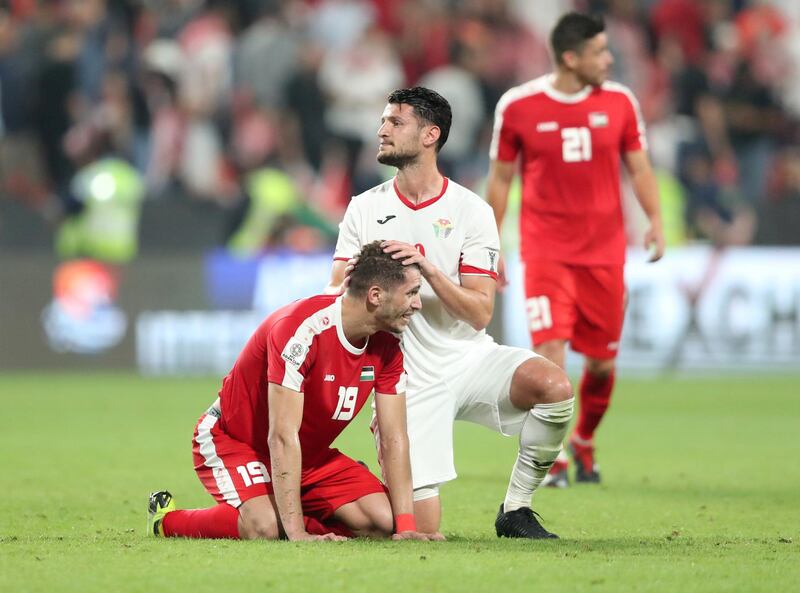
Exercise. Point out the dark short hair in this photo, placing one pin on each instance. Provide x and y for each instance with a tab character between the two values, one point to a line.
429	106
573	30
376	267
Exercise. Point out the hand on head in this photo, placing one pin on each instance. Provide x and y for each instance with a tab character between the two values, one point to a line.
348	269
409	254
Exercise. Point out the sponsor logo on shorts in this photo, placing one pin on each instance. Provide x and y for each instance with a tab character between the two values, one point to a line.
294	352
613	345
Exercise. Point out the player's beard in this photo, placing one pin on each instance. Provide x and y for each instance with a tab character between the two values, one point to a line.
394	321
398	159
596	78
595	81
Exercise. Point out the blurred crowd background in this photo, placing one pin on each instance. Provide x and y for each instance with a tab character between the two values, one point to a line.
184	124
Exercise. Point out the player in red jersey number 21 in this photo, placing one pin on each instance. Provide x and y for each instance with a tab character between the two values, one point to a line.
569	130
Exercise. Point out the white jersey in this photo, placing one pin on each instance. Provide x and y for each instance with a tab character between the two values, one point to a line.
456	232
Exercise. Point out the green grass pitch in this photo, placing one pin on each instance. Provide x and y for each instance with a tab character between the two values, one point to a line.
701	492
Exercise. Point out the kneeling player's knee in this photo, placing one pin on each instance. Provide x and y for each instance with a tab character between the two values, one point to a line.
384	527
258	528
370	518
378	523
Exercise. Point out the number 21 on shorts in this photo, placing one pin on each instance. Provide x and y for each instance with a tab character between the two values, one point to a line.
539	316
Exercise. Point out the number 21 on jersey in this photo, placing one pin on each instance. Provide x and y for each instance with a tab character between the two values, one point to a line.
576	144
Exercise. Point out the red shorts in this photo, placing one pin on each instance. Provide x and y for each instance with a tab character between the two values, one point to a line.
233	472
582	304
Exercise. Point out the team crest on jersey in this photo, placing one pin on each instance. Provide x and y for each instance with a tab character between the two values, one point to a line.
442	227
598	119
294	352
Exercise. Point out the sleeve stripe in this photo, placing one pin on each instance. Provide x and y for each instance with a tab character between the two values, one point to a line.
292	379
401	384
473	271
637	110
494	147
341	259
516	93
305	333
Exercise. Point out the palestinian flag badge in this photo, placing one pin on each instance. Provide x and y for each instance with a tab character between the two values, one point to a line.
367	374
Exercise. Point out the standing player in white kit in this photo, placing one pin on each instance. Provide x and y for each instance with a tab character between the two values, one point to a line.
455	370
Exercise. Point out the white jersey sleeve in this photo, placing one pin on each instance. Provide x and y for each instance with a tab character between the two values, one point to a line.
349	242
481	249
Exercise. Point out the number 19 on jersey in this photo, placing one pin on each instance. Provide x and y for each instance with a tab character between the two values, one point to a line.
347	403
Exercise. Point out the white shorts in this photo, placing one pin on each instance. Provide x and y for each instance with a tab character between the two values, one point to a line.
476	390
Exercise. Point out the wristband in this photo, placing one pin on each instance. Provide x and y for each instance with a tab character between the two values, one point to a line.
405	522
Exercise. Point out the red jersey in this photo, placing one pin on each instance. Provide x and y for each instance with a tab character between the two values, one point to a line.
570	147
302	346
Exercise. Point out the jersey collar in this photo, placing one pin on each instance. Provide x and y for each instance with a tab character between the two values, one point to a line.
340	330
557	95
421	205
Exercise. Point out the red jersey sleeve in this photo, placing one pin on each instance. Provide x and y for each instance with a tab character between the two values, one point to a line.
290	354
506	142
392	376
633	133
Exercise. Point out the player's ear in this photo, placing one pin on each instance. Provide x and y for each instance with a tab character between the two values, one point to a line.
374	295
570	58
431	135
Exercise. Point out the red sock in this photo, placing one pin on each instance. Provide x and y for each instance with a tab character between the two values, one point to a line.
331	526
221	521
595	395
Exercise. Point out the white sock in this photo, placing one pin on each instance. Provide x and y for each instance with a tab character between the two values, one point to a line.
539	443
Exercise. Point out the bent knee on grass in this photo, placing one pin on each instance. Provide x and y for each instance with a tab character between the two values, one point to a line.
258	519
369	516
377	529
258	529
375	522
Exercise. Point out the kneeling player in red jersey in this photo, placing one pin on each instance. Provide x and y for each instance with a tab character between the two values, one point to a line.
262	450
